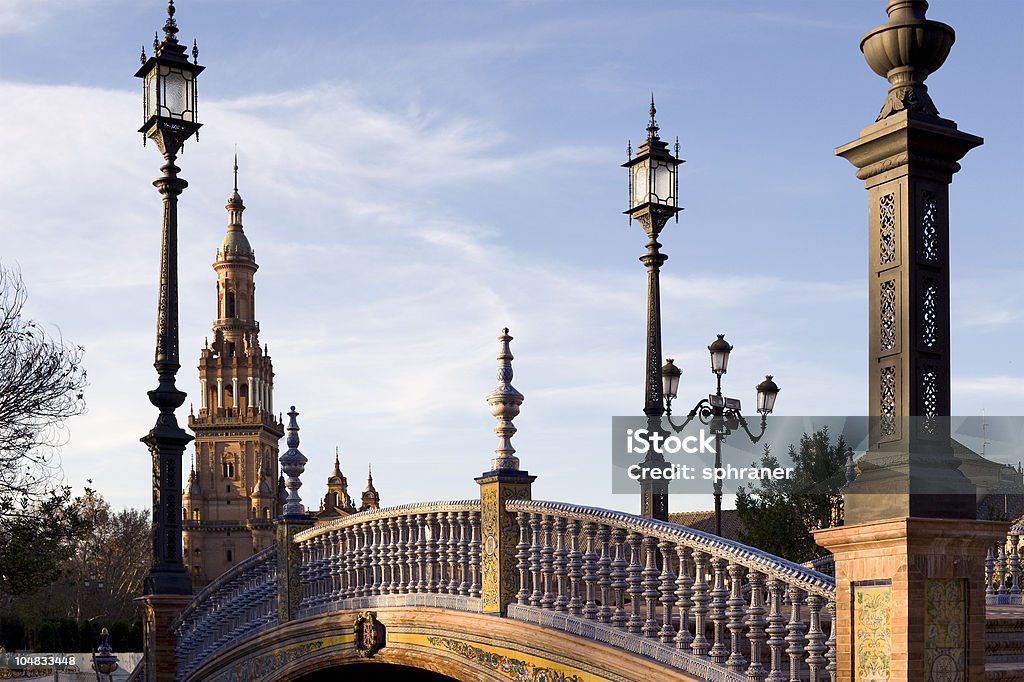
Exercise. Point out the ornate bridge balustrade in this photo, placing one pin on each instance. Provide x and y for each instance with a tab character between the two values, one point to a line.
411	555
712	607
1004	570
239	604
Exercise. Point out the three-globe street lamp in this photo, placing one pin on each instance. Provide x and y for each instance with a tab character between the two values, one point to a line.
653	191
718	412
169	118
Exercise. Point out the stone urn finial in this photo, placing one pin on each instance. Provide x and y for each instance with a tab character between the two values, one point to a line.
505	401
293	463
905	51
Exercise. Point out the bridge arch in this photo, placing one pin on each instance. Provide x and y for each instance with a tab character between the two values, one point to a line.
457	645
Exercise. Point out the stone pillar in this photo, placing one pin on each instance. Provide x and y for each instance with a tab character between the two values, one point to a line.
909	562
159	612
905	590
907	159
499	530
289	559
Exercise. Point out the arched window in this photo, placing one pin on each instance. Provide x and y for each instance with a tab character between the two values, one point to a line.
229	304
266	512
228	469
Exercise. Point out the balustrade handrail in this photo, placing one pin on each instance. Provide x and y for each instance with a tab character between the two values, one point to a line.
388	512
808	580
221	580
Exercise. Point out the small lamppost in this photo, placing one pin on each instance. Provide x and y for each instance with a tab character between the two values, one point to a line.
653	191
720	413
104	662
169	118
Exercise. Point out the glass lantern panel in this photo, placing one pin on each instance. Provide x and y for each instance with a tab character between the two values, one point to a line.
152	101
175	100
663	183
641	184
719	361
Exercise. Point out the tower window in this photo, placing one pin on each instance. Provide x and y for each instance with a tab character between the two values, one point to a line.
228	469
231	556
229	304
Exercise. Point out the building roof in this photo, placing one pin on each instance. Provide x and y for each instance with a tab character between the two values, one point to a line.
705	521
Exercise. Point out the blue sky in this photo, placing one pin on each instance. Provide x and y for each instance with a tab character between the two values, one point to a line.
419	175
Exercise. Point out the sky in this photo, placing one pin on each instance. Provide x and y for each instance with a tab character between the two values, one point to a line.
418	175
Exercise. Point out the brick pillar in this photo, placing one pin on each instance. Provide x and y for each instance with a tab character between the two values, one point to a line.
500	535
159	640
289	559
910	598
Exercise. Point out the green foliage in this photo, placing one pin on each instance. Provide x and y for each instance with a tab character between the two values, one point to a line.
779	515
36	536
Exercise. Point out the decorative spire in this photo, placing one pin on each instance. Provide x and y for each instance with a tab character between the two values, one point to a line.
370	496
905	51
505	401
652	127
195	51
170	26
293	463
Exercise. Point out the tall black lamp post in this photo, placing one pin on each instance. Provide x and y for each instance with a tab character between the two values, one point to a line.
653	190
169	106
720	413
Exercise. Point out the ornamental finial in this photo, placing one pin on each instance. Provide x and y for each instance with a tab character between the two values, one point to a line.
652	127
236	169
905	50
293	463
505	401
171	26
195	51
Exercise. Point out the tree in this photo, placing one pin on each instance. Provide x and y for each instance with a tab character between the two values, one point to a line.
100	574
41	385
779	515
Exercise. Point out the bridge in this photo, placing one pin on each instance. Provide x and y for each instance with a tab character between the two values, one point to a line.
598	595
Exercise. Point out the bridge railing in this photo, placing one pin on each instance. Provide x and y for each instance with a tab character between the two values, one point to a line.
235	606
731	609
415	554
1004	569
